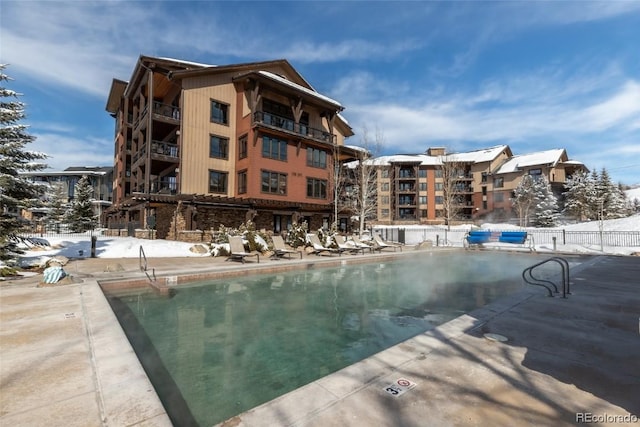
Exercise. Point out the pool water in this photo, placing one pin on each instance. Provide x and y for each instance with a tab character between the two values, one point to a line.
219	348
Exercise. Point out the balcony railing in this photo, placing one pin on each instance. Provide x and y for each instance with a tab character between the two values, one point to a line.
140	154
291	126
165	149
164	110
164	186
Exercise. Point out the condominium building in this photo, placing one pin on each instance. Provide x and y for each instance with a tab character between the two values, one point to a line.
417	188
216	145
100	177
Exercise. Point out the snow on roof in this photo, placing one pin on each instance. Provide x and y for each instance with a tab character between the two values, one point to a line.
477	156
423	159
296	86
197	64
533	159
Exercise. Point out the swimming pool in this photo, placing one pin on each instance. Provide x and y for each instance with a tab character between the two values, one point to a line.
219	348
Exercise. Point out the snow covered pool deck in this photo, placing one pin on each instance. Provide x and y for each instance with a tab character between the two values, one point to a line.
66	360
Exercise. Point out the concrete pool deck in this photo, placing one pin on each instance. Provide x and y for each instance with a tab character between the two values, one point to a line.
65	361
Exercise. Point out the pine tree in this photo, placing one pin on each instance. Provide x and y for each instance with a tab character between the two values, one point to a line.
57	204
580	196
16	191
524	199
611	200
81	217
546	208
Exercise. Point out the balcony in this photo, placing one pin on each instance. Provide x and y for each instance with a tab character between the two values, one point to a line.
274	121
406	188
139	156
166	111
164	186
165	151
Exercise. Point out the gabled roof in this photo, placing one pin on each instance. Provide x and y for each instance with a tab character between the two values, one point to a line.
301	88
421	159
478	156
540	158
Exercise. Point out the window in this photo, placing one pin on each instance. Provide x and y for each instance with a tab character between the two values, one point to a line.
422	173
242	182
498	197
422	200
439	200
219	112
484	205
484	190
439	186
242	147
385	186
384	213
218	147
423	186
498	182
316	188
274	182
536	174
316	158
438	173
384	200
423	213
274	148
384	173
484	177
217	182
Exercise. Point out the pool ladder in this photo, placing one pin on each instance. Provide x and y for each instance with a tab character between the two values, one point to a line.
143	266
529	278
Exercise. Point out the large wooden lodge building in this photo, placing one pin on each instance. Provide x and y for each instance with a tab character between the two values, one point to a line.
198	146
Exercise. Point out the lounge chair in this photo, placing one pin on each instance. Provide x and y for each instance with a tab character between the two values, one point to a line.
237	249
280	250
342	244
318	247
383	244
358	243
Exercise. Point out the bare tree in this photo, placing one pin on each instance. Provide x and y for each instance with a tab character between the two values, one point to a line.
524	199
364	188
453	173
338	182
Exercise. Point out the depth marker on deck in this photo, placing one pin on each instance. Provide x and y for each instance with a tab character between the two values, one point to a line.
399	387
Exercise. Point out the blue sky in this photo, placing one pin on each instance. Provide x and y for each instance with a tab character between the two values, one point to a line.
464	75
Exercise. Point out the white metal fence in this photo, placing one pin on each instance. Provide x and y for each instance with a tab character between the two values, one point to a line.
440	236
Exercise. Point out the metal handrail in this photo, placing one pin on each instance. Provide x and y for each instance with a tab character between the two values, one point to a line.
143	268
532	280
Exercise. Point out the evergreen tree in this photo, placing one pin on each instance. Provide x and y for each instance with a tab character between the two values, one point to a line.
81	217
57	204
16	192
611	200
524	199
580	196
546	205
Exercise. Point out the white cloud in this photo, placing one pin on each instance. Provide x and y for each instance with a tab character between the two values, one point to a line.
65	150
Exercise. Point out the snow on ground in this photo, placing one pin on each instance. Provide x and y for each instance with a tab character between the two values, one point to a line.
108	247
129	247
631	223
633	194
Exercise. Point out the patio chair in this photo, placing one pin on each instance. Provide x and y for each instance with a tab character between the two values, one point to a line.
319	248
360	244
342	244
280	250
383	244
237	250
